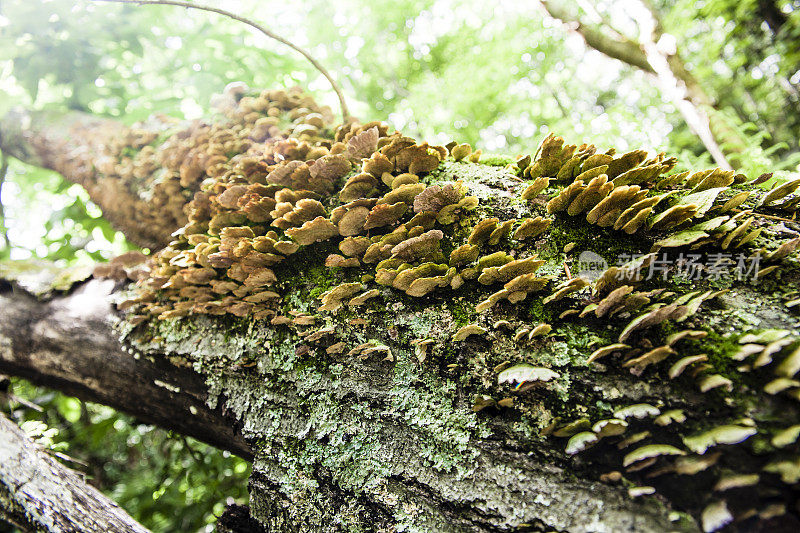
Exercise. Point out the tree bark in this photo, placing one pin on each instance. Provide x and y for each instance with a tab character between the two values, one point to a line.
37	493
69	343
352	429
603	39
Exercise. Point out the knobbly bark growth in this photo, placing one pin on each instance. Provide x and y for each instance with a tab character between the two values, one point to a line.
37	493
401	333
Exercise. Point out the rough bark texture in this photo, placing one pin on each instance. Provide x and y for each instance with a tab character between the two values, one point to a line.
348	446
69	344
355	427
37	493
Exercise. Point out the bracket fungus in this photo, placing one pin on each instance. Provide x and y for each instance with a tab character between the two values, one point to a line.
525	375
607	350
566	288
332	299
531	227
610	427
650	451
351	213
639	410
580	442
725	434
466	331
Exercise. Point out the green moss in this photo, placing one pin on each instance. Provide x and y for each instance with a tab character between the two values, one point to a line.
538	312
461	310
128	151
496	160
607	242
305	277
321	279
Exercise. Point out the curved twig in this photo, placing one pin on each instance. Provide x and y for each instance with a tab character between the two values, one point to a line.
259	27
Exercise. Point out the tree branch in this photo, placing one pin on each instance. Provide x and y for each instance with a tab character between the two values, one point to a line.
352	431
676	82
74	144
69	344
621	48
269	33
38	493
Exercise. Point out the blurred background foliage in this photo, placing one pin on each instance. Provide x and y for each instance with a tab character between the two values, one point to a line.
499	75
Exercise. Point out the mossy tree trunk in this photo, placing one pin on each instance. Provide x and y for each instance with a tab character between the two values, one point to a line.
420	413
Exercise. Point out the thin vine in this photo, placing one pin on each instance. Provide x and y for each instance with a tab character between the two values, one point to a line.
262	29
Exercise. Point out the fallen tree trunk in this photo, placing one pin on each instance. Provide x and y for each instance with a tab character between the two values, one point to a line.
395	361
68	343
37	493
